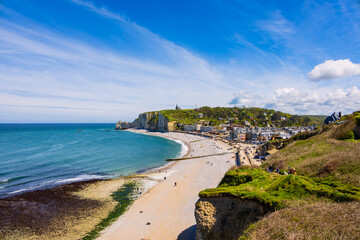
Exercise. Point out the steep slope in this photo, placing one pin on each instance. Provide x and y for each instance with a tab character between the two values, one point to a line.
320	202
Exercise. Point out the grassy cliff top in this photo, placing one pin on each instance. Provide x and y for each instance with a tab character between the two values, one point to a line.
255	116
279	191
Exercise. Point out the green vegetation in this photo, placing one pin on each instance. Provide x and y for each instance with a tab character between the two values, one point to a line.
323	155
311	221
124	197
154	120
278	191
321	202
255	116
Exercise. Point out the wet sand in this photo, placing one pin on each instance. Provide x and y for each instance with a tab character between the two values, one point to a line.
64	212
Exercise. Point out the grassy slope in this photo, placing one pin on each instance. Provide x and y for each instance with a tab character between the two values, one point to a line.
312	221
324	155
313	202
332	156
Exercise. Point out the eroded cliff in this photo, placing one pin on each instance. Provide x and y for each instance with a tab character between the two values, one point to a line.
153	121
225	217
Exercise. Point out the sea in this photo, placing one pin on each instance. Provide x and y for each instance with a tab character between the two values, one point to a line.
38	156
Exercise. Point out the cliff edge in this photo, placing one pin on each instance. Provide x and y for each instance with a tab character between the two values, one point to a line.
153	121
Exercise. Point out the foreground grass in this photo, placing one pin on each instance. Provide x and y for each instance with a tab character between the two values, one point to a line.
314	221
279	191
124	197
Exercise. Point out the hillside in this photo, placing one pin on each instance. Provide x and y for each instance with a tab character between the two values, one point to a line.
321	202
333	152
255	116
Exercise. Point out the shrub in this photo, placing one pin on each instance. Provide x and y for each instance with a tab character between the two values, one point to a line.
344	131
357	120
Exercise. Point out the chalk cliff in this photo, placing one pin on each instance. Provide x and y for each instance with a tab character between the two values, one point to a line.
225	217
153	121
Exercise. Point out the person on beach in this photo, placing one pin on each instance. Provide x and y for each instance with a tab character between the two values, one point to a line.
175	184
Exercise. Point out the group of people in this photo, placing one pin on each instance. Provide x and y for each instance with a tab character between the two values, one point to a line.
290	170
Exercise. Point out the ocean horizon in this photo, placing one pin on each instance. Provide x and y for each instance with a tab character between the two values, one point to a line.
43	155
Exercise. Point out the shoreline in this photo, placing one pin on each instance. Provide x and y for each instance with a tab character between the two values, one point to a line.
103	177
165	204
166	164
44	199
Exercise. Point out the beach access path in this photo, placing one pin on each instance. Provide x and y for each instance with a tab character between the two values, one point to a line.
166	211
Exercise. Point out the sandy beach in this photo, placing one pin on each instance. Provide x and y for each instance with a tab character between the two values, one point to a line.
162	210
166	211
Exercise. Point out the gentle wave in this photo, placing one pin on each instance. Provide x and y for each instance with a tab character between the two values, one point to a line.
4	181
184	148
12	179
54	154
80	178
48	184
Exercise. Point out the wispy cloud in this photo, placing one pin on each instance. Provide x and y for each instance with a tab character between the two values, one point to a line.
60	70
65	68
277	26
102	10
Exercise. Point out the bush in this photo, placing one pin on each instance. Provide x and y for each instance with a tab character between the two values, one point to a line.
344	131
357	120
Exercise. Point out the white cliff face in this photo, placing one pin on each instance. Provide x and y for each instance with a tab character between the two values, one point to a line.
162	123
153	121
225	217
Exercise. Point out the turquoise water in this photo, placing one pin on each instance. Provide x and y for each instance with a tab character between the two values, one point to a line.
34	156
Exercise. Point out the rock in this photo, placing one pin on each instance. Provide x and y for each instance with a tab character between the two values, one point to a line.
153	121
225	217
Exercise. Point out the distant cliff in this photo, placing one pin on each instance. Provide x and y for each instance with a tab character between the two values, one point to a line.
153	121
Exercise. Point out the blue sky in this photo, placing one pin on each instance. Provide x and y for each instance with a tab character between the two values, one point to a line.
101	61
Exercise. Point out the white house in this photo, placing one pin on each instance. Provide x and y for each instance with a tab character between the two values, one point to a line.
206	128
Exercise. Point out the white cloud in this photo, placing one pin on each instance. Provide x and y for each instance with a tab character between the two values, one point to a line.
334	69
297	101
242	98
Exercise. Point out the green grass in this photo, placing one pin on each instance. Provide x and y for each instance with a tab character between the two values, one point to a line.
331	153
278	191
124	197
256	116
309	221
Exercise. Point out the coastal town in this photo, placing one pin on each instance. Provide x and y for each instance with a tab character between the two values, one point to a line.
246	134
246	141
